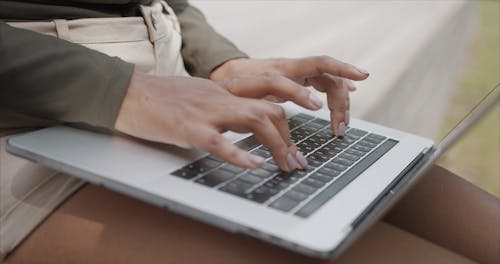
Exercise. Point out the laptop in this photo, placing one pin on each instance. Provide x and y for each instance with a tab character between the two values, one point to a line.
349	183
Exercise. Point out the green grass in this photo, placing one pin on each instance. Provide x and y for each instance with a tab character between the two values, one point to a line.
476	157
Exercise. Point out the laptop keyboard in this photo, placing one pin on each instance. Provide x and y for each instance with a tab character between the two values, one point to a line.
333	163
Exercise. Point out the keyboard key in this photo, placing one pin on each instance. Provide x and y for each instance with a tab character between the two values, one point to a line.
314	125
361	148
275	184
264	189
372	140
284	204
367	144
260	195
262	153
318	156
357	132
185	173
297	136
343	161
335	166
237	187
349	156
320	122
203	165
286	177
248	143
379	137
314	161
251	178
313	182
302	116
336	143
355	152
305	148
305	189
330	150
321	177
264	148
232	168
294	124
351	136
215	178
270	167
296	196
261	173
329	171
326	132
298	174
346	140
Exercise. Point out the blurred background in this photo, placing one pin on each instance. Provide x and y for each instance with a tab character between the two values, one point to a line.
430	62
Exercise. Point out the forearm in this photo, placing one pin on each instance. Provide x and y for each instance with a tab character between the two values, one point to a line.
47	78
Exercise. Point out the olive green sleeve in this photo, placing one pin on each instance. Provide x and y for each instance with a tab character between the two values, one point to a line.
203	49
46	78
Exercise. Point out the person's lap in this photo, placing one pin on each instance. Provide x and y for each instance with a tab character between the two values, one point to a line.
99	226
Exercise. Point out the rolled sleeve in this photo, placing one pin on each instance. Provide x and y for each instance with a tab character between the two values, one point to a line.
203	48
48	78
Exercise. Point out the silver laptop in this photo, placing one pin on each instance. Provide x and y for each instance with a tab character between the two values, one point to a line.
319	211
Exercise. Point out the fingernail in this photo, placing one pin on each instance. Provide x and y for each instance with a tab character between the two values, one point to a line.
315	100
341	129
301	159
362	70
257	160
292	164
347	118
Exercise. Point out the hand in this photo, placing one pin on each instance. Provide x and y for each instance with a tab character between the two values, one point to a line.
193	112
287	78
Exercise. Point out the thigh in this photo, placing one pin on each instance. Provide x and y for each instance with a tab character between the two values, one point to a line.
100	226
449	211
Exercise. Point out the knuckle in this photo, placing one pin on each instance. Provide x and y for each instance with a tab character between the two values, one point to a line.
214	140
278	112
256	116
234	153
280	64
302	92
323	58
269	78
229	84
281	149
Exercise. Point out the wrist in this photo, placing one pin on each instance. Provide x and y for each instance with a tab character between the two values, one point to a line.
225	69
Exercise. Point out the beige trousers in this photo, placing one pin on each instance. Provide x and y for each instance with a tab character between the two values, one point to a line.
30	192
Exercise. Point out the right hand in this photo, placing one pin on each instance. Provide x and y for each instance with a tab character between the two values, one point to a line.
192	113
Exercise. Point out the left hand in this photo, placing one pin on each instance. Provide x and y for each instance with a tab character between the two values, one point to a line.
285	79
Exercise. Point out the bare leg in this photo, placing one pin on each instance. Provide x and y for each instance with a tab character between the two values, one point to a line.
449	211
100	226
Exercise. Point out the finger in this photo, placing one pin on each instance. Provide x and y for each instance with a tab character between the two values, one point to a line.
260	86
279	119
269	136
338	100
313	66
351	86
215	143
338	104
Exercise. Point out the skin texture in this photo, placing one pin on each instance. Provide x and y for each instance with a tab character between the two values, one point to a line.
99	226
193	112
324	73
